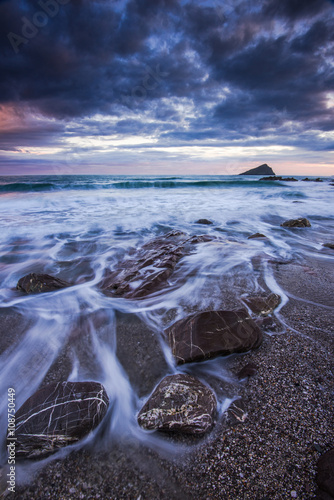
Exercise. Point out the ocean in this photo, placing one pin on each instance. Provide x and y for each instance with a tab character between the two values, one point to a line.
77	227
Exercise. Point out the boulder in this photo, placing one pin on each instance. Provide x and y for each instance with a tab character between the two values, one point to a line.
301	222
58	415
180	403
328	245
325	473
204	221
209	334
256	235
263	304
149	269
261	170
39	283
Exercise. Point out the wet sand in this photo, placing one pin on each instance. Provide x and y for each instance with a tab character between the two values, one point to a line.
272	454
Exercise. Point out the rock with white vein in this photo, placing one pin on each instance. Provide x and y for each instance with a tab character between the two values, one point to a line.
180	403
58	415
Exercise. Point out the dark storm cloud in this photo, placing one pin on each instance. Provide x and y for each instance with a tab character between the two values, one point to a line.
245	69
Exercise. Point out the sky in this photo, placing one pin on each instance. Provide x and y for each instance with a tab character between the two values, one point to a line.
166	87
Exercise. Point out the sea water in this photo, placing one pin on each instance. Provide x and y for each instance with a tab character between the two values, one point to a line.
76	227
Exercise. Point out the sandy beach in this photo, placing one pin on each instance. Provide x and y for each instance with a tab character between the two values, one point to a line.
272	454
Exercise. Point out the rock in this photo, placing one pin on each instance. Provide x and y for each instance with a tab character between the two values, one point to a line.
236	413
279	178
180	403
318	180
307	179
325	473
248	370
256	235
204	221
301	222
58	415
149	270
261	170
329	245
39	283
263	304
208	334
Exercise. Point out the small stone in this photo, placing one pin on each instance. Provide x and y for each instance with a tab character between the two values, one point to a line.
256	235
294	494
248	370
204	221
263	304
180	403
301	222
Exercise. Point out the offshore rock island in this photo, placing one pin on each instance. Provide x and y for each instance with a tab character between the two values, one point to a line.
261	170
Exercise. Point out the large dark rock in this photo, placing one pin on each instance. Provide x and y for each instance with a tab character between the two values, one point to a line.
180	403
263	304
301	222
329	245
325	473
148	270
208	334
38	283
261	170
58	415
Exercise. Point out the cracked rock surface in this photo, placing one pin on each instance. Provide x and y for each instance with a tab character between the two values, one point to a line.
179	403
58	415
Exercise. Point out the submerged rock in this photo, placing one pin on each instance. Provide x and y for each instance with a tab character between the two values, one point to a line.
148	270
263	304
58	415
301	222
180	403
263	169
204	221
209	334
278	178
325	474
256	235
38	283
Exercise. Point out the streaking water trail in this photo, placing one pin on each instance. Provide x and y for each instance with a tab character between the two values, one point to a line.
77	227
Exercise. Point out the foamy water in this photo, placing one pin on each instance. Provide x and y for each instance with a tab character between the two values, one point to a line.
76	227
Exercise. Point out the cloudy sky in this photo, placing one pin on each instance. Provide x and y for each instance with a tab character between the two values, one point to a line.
166	86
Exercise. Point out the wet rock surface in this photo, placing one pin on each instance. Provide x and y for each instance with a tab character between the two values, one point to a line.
301	222
204	221
247	371
263	304
325	474
148	270
208	334
329	245
180	403
39	283
256	235
58	415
